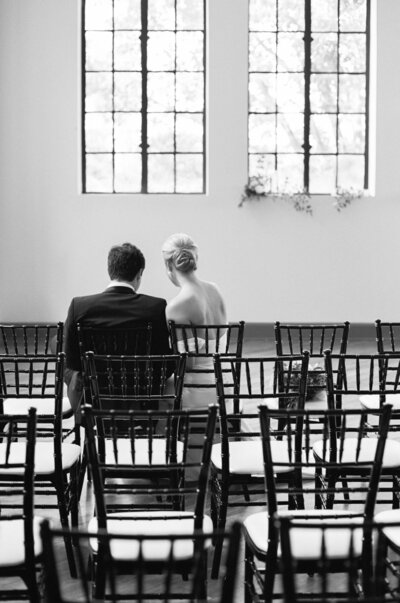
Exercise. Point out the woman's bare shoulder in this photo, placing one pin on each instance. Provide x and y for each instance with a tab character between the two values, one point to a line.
183	308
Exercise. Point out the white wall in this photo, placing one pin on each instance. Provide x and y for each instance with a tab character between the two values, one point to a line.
270	261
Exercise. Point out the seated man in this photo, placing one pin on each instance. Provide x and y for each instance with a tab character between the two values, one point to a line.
118	306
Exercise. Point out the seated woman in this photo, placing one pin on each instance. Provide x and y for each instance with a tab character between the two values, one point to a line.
197	303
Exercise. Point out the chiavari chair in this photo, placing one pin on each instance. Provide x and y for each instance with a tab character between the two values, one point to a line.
317	442
237	475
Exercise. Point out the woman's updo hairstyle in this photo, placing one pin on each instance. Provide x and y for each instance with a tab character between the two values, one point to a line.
180	252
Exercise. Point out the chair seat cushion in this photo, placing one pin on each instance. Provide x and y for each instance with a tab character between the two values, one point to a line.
44	456
392	533
391	457
142	457
373	402
44	406
12	549
151	523
246	457
306	543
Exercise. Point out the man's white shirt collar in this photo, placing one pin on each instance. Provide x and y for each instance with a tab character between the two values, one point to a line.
121	284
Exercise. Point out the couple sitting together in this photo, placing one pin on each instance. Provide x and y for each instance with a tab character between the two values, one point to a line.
198	302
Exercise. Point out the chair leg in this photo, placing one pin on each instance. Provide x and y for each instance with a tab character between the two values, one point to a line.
248	575
221	521
63	511
83	469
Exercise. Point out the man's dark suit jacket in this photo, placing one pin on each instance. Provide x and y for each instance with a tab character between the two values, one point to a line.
117	307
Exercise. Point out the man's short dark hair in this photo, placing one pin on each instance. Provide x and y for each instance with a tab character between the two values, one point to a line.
124	262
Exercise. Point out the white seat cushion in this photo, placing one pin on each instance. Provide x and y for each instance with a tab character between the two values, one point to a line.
372	402
392	533
307	542
12	550
45	406
152	523
141	451
44	456
246	457
391	457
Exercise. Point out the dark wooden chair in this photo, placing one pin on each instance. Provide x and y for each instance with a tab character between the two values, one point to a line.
142	503
20	546
322	444
354	377
160	553
237	474
38	381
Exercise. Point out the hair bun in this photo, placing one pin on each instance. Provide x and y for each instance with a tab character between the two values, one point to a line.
185	260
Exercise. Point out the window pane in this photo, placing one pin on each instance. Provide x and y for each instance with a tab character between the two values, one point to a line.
98	92
127	131
322	173
262	92
324	15
324	52
262	15
161	14
353	15
352	89
160	132
262	55
189	173
290	52
351	171
189	91
161	91
98	14
323	93
291	15
262	133
127	14
127	51
290	132
127	91
323	133
189	51
98	51
290	92
189	14
189	132
262	165
351	133
161	173
98	132
352	53
99	170
161	51
290	173
128	170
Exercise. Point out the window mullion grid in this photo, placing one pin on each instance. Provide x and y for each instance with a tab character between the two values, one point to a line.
339	6
204	94
83	105
367	87
144	141
175	68
276	96
112	96
307	104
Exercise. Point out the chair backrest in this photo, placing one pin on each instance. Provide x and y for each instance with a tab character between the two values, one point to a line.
31	339
296	338
130	341
353	375
143	550
328	543
387	337
143	445
118	381
325	444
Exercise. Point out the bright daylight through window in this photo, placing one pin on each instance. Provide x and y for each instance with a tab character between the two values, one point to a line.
308	94
143	96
